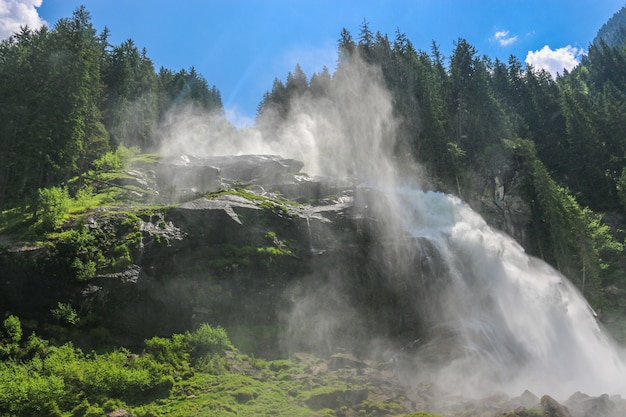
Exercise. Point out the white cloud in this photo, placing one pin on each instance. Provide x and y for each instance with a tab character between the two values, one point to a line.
554	61
16	13
503	38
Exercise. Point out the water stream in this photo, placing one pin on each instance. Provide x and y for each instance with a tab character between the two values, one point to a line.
515	322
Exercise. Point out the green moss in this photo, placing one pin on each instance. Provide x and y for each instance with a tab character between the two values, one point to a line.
229	255
276	205
145	158
377	408
273	251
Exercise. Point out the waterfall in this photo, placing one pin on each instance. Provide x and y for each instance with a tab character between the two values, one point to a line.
515	322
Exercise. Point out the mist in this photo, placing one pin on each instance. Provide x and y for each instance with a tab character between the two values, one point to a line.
348	133
495	319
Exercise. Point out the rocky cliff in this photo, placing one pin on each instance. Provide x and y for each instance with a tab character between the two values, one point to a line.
250	244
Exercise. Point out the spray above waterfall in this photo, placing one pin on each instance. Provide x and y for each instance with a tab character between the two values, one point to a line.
492	317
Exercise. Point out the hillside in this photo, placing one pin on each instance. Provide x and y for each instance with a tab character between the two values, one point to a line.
613	32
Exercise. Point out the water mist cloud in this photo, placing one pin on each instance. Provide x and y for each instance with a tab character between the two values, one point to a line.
348	132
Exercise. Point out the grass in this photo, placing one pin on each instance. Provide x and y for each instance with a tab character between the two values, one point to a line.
230	395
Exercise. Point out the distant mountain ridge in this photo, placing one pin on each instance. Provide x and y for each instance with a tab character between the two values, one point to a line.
613	32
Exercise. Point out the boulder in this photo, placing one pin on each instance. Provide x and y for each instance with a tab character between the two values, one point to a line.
345	360
120	412
583	405
552	408
260	169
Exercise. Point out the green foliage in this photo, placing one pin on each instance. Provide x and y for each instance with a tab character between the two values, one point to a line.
53	205
85	409
172	351
108	162
622	188
200	346
28	392
229	255
115	161
79	249
208	340
572	237
65	314
13	329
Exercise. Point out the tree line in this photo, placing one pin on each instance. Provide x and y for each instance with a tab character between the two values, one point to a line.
67	96
469	115
455	112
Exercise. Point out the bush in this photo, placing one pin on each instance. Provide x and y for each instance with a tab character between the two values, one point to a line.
10	342
208	340
53	205
13	329
79	250
26	392
172	351
65	314
111	375
114	161
202	346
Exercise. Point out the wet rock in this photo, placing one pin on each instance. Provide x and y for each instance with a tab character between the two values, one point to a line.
527	400
144	180
552	408
345	360
177	177
261	169
120	412
583	405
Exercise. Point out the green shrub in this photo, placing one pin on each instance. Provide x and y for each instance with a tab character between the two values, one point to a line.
111	375
26	392
172	351
208	340
85	409
83	270
13	329
53	204
10	342
79	249
121	257
114	161
65	314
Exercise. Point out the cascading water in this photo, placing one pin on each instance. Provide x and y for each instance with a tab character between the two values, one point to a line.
505	321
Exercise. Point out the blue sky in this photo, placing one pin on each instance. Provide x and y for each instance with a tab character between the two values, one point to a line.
240	46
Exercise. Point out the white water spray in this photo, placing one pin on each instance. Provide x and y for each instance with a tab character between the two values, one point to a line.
521	325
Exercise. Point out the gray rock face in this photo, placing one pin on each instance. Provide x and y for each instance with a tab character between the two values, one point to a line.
502	204
261	169
202	174
245	258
